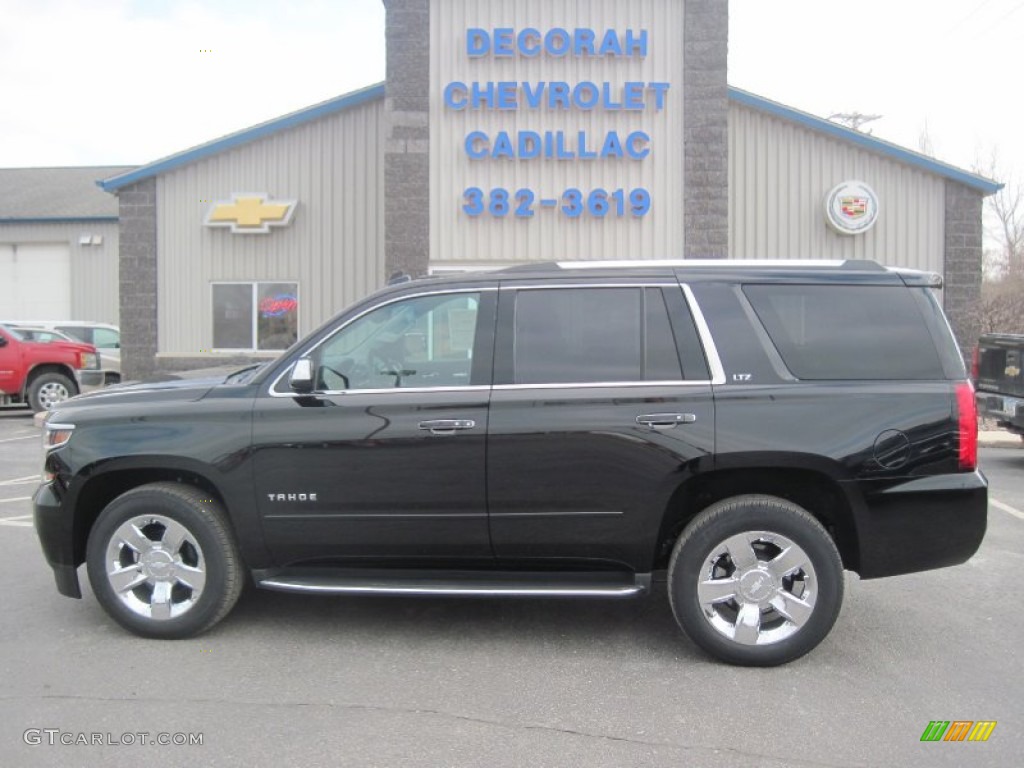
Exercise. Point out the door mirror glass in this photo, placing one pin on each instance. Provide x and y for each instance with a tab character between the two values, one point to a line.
301	378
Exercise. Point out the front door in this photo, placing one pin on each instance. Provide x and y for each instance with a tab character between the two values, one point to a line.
385	460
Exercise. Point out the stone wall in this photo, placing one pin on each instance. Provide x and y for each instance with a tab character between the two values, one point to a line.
407	147
962	294
137	279
706	131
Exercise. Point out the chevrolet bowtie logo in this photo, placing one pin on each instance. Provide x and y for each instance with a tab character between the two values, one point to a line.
250	213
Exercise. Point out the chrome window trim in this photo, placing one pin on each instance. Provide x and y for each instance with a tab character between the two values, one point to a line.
640	282
683	263
601	384
388	391
704	332
272	389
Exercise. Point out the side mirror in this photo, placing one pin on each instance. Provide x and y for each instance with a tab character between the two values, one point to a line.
301	378
3	340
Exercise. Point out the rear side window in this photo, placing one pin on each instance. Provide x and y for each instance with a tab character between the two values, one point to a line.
847	332
591	335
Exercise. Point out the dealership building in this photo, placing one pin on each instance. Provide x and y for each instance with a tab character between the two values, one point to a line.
506	132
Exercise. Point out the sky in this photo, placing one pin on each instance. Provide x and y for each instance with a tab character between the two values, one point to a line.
109	82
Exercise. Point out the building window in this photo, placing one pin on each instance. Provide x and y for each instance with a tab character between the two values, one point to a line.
255	316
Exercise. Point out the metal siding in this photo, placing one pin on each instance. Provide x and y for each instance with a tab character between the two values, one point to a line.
779	175
333	247
455	237
94	268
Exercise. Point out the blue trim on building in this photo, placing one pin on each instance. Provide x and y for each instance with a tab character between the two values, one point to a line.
59	220
983	185
292	120
373	92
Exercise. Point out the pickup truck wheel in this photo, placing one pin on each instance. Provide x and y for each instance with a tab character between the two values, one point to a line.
48	389
756	581
162	561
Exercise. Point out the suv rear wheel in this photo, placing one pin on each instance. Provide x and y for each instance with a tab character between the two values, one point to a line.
756	581
162	561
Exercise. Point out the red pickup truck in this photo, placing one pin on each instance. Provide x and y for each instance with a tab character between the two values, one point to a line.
44	374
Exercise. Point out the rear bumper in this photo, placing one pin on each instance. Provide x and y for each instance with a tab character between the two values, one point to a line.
920	524
56	535
1008	411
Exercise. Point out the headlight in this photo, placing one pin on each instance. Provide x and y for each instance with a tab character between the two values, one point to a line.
89	360
57	435
54	436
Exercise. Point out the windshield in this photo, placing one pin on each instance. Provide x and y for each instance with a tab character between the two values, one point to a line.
13	333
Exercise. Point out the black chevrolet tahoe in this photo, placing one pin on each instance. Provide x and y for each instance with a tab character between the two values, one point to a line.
744	430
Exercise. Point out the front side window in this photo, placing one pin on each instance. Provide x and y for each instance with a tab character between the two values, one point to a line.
426	341
592	335
255	316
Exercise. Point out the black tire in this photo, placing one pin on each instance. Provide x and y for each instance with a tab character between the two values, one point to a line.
765	636
48	389
170	572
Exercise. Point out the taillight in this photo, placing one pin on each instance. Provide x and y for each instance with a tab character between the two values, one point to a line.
967	420
975	363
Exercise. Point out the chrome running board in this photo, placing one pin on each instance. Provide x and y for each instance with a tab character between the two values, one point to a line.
354	581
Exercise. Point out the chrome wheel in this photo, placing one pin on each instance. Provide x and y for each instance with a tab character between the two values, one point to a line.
52	393
757	588
155	567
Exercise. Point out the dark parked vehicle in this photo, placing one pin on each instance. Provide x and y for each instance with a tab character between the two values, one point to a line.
747	429
999	378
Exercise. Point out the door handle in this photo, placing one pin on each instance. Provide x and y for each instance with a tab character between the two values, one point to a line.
665	420
447	426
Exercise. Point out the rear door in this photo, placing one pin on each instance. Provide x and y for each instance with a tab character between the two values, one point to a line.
594	421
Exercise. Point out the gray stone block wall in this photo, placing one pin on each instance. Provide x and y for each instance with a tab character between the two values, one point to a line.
137	279
962	263
407	147
706	129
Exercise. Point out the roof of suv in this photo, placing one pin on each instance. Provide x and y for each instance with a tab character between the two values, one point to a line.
723	268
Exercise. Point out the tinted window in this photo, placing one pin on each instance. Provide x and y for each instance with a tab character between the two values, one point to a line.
847	332
581	335
76	332
420	342
106	338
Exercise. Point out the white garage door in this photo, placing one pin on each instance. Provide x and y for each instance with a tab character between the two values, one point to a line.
35	281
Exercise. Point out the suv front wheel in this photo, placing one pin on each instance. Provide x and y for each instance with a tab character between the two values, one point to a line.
755	580
162	561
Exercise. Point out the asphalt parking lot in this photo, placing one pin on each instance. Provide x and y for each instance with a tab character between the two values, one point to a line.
295	680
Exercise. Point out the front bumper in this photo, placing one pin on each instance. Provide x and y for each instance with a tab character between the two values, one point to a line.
55	529
920	523
90	379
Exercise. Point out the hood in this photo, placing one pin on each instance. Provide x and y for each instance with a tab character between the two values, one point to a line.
178	389
73	346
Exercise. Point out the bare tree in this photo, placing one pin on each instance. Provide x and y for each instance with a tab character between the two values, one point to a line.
1002	291
853	120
